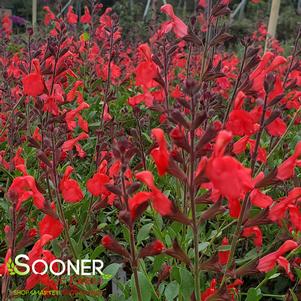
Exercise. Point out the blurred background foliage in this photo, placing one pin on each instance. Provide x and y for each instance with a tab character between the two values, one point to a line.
134	24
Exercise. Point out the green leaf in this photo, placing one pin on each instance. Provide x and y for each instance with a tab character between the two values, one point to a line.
109	273
145	288
55	247
112	269
187	284
144	232
98	250
274	276
254	294
171	291
203	246
77	247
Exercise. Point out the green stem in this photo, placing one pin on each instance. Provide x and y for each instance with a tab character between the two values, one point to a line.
86	221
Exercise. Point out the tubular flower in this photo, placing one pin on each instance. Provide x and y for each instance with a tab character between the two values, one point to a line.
96	185
241	123
70	188
277	128
72	93
159	200
228	175
160	154
154	248
37	253
86	18
176	24
287	169
295	217
147	70
3	267
71	115
51	225
23	188
113	245
33	83
71	16
7	25
69	144
277	211
223	256
254	232
260	199
49	16
269	261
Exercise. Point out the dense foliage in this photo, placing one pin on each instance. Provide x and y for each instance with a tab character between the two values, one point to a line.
175	161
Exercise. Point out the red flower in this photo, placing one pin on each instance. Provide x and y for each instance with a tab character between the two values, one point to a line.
284	263
228	175
147	98
277	211
240	145
295	217
33	83
137	200
69	144
147	70
261	156
277	128
212	293
70	188
72	93
3	267
176	24
268	262
286	169
256	233
260	199
37	253
36	135
23	188
203	3
71	16
86	18
241	123
50	225
160	154
106	115
71	115
267	65
49	16
96	185
17	159
7	25
210	290
160	201
223	256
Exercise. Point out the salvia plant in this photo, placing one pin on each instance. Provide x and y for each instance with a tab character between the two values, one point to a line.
173	160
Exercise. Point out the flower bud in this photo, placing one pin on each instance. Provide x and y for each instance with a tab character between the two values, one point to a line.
111	244
154	248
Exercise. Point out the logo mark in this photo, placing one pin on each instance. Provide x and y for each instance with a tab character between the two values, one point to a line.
12	269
